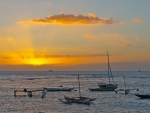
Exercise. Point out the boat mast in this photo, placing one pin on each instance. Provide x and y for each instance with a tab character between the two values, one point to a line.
111	75
124	82
108	68
79	86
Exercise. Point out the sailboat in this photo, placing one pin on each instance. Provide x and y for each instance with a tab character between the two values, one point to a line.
139	70
106	86
126	90
80	99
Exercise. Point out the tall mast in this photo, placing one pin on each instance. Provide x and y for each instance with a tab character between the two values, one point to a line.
111	75
79	86
124	82
108	68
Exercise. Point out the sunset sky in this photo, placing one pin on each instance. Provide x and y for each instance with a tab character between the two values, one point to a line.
74	35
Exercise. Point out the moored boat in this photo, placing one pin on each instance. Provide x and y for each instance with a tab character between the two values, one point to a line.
126	90
101	89
58	89
80	99
111	86
107	87
143	95
29	93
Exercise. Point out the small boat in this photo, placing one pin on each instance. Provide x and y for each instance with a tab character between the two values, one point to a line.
126	90
101	89
58	89
29	92
143	95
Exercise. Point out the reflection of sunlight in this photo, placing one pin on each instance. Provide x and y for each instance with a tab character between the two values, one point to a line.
36	62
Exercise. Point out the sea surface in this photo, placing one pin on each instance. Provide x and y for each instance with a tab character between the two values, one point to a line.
106	102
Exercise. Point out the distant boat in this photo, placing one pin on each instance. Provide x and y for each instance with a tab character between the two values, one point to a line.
139	70
105	86
50	70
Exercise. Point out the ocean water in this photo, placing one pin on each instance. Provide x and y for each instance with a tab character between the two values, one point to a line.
106	102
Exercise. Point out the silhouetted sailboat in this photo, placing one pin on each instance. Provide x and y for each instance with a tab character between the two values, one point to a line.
106	86
80	99
126	90
139	70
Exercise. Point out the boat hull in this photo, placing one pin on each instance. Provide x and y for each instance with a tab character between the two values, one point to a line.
58	89
143	95
106	87
81	100
101	89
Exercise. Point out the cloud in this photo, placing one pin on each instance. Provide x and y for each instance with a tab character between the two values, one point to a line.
124	43
137	39
121	40
89	36
138	20
9	38
70	19
64	56
51	56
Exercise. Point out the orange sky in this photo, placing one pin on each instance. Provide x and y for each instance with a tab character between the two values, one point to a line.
47	35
